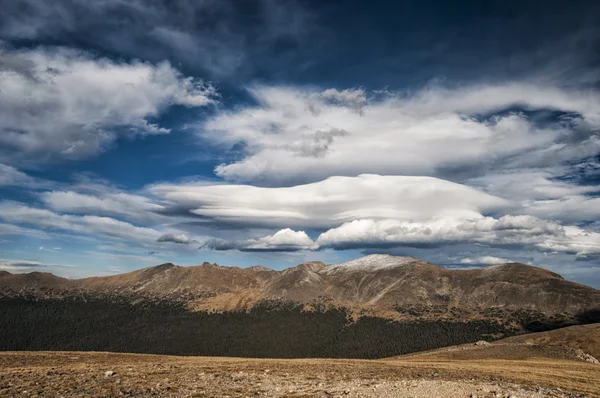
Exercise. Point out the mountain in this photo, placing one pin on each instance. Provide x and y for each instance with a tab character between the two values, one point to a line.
373	281
374	306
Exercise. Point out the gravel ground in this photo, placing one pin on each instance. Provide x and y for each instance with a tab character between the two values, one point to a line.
116	375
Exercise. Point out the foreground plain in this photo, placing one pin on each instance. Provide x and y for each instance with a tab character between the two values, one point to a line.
93	374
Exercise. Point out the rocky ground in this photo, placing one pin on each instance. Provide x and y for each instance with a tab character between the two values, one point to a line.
76	374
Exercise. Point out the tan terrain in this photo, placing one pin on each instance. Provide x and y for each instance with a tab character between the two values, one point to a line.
512	367
78	374
558	363
376	281
583	337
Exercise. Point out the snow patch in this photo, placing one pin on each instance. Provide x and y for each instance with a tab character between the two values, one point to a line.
370	263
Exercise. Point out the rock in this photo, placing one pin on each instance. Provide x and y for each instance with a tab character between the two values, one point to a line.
482	342
586	357
109	373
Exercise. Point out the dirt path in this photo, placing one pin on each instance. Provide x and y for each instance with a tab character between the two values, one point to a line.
50	374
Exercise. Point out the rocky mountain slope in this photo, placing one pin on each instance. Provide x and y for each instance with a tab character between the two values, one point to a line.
376	281
373	307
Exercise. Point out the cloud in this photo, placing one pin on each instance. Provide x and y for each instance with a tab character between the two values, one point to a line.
9	176
59	103
12	177
20	266
517	231
432	131
216	37
285	240
353	98
547	193
373	211
329	202
89	225
10	229
109	203
488	260
176	238
52	250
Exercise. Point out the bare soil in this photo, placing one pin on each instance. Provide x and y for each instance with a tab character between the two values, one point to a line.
92	374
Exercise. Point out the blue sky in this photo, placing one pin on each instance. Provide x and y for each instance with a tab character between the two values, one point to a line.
276	132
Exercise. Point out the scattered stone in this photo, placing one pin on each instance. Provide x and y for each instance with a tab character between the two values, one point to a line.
482	342
586	357
109	373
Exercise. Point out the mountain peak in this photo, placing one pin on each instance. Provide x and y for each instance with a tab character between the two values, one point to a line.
313	266
260	268
518	268
370	263
166	266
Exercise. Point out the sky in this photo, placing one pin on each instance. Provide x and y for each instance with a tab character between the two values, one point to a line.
275	132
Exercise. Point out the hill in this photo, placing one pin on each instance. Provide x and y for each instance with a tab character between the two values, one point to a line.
581	337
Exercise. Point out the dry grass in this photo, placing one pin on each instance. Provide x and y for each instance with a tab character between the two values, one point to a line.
54	374
584	337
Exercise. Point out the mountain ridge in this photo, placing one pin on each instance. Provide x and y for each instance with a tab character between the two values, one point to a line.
375	281
375	307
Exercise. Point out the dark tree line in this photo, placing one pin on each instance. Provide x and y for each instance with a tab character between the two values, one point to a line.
268	330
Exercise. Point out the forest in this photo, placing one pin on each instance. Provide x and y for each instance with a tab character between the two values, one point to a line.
274	330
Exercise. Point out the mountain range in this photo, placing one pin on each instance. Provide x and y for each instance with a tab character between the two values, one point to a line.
344	305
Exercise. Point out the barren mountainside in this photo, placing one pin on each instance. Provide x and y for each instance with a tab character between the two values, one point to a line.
373	307
375	281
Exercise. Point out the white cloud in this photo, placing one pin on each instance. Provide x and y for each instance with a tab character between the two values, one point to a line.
10	176
64	103
176	238
110	202
10	229
508	230
353	98
424	133
530	184
331	202
20	266
90	225
575	208
543	194
284	240
380	211
484	260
